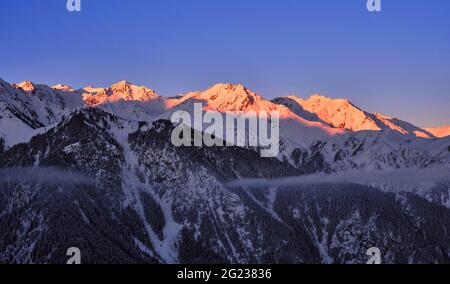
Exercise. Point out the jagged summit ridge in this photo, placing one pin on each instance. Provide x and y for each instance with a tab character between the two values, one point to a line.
234	98
27	86
63	87
342	113
122	90
142	103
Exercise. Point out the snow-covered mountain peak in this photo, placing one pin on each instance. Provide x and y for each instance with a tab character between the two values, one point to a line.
339	113
232	98
295	130
122	83
93	90
122	86
228	87
320	97
128	91
319	102
342	113
223	91
120	91
63	87
27	86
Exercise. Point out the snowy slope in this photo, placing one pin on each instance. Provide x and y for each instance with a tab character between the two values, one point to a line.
47	103
12	129
388	149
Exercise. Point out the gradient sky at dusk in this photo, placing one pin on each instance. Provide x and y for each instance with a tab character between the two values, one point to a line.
396	62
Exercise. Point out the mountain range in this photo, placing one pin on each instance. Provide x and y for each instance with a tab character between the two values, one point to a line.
130	196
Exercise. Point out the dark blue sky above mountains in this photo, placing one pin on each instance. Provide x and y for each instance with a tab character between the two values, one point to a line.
396	62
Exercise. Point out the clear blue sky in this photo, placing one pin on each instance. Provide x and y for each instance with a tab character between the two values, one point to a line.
396	62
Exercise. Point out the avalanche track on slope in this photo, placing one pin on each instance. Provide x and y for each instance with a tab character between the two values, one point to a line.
132	187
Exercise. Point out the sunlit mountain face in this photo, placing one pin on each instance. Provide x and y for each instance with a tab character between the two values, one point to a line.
95	168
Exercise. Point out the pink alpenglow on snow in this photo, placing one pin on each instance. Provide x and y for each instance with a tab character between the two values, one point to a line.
440	132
